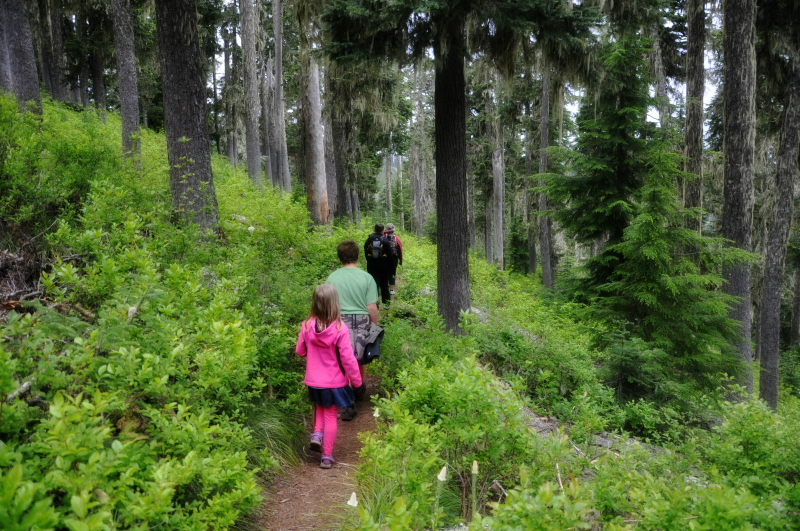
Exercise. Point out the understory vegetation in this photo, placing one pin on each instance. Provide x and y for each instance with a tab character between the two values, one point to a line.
153	382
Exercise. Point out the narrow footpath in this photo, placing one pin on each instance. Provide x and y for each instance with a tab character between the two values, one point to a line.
310	497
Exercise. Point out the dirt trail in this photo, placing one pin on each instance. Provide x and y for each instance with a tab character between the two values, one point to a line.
309	497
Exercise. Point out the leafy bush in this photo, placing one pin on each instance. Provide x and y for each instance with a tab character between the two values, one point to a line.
161	368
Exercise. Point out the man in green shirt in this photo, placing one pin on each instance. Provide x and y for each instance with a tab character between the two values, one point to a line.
358	297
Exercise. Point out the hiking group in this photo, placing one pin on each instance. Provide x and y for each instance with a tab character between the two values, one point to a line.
341	335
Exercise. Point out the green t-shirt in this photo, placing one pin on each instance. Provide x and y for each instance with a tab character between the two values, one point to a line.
356	288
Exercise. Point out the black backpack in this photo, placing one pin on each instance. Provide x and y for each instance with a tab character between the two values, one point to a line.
375	247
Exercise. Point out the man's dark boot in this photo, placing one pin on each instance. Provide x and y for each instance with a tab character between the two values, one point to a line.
349	412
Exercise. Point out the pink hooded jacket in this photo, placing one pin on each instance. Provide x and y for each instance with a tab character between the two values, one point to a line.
322	367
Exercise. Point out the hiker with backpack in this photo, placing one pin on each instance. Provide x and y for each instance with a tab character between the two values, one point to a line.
379	255
358	299
397	255
330	364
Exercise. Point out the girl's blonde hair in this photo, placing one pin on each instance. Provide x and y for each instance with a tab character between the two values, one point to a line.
325	307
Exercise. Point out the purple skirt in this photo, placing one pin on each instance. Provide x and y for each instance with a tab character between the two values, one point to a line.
341	397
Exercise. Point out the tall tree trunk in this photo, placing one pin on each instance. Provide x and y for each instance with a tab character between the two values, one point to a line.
45	46
251	103
339	138
316	184
419	171
60	91
231	114
488	231
794	338
779	236
387	161
739	124
695	87
98	84
528	197
280	113
498	209
215	99
185	113
451	195
82	33
126	74
19	40
6	82
356	206
545	232
266	121
471	205
662	100
402	200
330	166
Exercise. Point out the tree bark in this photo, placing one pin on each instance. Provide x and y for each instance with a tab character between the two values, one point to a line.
185	113
266	117
528	198
470	205
230	103
60	89
419	171
400	185
280	113
251	102
330	166
545	232
387	162
45	45
19	40
316	184
126	74
488	230
739	130
662	100
339	138
794	337
779	237
695	87
6	83
98	84
451	196
499	203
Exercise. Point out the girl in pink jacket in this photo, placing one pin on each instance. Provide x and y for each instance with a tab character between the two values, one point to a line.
325	343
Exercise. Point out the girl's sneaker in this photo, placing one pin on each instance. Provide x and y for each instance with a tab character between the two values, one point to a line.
327	461
316	442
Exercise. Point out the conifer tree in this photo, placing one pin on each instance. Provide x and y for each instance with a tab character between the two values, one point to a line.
386	28
600	199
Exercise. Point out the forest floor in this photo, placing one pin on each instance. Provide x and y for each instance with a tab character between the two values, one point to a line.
309	497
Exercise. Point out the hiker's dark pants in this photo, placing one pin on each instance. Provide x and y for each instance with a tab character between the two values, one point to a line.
380	274
391	274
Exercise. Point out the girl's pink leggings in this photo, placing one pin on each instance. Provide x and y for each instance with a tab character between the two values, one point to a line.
325	422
